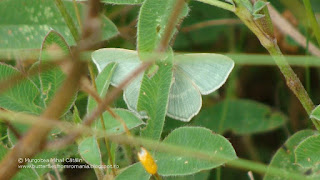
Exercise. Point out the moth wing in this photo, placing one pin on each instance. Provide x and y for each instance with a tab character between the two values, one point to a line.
184	98
127	61
207	71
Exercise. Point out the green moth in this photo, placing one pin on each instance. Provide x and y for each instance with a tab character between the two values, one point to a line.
193	75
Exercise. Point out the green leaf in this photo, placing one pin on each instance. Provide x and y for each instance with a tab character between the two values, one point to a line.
201	37
308	152
24	24
3	151
258	16
153	18
45	156
122	1
201	175
22	96
135	171
76	116
89	151
230	1
315	114
197	139
42	159
114	126
248	5
50	81
285	158
109	29
257	7
239	116
102	82
154	97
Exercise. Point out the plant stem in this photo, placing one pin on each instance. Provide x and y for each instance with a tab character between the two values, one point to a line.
312	20
106	141
150	144
77	13
262	28
219	4
67	18
307	69
293	81
2	138
157	176
218	173
33	141
251	150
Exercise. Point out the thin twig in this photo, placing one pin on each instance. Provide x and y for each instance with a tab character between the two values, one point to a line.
121	12
33	142
66	16
150	144
170	26
15	79
35	139
215	22
76	9
13	129
219	4
262	29
56	170
286	28
89	90
106	141
114	94
312	20
101	106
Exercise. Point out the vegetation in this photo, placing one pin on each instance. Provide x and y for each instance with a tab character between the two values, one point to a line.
159	89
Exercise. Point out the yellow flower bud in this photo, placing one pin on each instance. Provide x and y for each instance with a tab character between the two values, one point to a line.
147	161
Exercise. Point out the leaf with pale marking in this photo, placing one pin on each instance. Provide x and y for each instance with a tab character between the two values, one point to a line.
136	170
89	151
307	152
203	175
196	139
24	173
24	24
284	159
50	81
32	173
153	18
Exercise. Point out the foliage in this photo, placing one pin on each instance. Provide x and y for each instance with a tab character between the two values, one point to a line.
28	24
285	156
175	105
